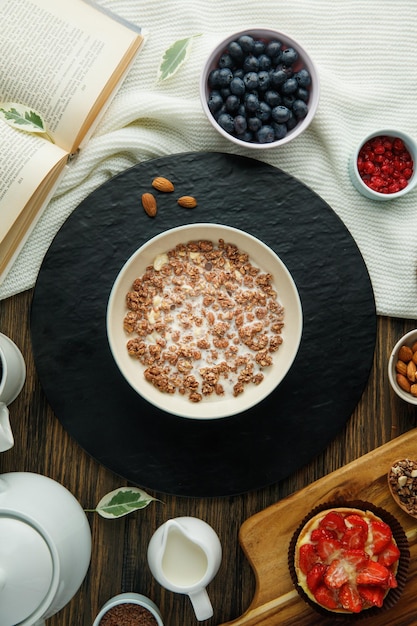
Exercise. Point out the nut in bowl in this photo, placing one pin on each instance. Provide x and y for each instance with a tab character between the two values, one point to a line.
383	165
204	321
259	88
402	367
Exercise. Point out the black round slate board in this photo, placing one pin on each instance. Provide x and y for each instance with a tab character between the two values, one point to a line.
180	456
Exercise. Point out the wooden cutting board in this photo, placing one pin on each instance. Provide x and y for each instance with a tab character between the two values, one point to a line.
265	538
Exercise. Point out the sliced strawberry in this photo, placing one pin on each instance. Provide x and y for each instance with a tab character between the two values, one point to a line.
327	549
389	555
372	595
392	581
326	597
350	599
336	574
323	533
381	535
373	574
356	558
307	557
315	576
333	521
356	520
354	538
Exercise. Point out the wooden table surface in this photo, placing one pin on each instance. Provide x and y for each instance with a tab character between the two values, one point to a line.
118	561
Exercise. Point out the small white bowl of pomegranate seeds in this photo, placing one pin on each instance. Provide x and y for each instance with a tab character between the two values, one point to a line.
383	166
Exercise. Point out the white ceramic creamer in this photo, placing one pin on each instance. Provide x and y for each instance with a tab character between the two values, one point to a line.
45	548
12	378
184	555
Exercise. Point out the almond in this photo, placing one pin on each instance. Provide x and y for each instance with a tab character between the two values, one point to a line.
187	202
403	383
149	204
401	368
405	354
411	371
162	184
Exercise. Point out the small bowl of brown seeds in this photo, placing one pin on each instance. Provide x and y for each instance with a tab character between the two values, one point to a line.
402	483
402	367
129	609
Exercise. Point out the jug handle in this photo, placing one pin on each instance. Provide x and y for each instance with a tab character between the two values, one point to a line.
201	604
6	435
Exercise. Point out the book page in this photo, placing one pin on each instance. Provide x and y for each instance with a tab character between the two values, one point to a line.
57	57
25	162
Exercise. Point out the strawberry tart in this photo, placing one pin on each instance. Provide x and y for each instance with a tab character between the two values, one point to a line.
347	560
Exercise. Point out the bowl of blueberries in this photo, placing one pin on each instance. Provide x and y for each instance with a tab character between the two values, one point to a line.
259	88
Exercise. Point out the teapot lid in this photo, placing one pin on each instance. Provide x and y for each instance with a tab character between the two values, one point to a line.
26	570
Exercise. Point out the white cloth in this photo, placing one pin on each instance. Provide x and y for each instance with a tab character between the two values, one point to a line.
366	55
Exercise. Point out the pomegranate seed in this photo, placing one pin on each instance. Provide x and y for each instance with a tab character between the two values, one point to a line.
385	165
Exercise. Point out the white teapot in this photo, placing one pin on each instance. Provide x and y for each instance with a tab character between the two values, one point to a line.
45	548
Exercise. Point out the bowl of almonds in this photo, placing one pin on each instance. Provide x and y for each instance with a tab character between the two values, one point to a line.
402	367
204	321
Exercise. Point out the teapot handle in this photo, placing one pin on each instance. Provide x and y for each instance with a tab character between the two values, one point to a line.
6	435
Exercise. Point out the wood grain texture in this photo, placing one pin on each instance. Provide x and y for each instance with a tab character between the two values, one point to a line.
118	560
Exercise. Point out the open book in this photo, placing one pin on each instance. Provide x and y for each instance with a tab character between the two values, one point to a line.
65	59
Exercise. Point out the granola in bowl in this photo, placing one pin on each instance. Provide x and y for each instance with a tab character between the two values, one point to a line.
204	321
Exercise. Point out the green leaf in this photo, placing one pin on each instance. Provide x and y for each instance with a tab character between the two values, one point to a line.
22	117
123	501
174	57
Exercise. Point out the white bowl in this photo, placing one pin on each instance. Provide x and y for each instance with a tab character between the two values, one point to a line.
130	598
212	407
304	61
357	180
407	340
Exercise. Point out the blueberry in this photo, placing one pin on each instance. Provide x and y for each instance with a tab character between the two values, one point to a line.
278	77
225	76
303	77
214	79
240	124
254	124
289	56
280	114
288	101
265	62
226	61
289	87
241	110
258	47
280	130
263	111
251	80
263	80
235	51
232	104
247	136
265	134
302	94
273	48
251	102
238	73
225	120
250	63
225	92
246	43
272	98
237	87
215	101
292	121
300	109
